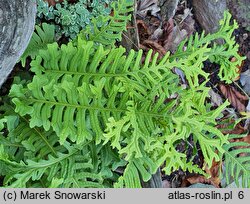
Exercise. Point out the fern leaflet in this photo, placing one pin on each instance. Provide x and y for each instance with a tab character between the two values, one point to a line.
112	26
237	161
43	36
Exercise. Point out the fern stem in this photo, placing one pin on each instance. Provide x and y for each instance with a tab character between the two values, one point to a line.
91	107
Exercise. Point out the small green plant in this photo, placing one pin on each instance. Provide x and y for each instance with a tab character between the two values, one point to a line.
93	116
43	36
107	35
71	18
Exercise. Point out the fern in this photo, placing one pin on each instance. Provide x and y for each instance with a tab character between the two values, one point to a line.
25	142
86	98
111	26
218	53
21	143
43	36
74	167
67	111
86	93
236	165
142	167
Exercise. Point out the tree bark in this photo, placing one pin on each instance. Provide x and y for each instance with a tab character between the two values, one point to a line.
17	21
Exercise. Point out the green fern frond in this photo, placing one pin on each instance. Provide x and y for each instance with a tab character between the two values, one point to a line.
142	168
56	183
193	68
42	36
22	142
112	26
74	167
237	161
75	95
192	120
218	53
25	142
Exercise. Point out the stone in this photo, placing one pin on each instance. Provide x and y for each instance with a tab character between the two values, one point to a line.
17	21
201	185
208	13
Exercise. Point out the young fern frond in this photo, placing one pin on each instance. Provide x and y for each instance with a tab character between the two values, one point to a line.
237	161
221	54
42	36
193	117
112	26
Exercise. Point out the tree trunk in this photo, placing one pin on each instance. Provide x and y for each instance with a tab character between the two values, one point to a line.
17	21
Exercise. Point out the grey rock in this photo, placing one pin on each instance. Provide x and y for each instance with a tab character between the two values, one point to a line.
201	185
17	21
209	13
245	81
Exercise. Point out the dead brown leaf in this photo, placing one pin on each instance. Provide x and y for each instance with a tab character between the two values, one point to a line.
214	176
143	30
239	67
236	99
187	21
54	2
214	172
237	130
201	179
184	28
155	46
167	36
179	35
